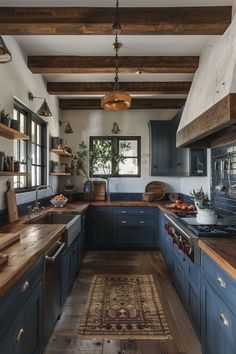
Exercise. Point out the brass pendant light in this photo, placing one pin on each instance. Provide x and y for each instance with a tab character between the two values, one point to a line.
116	100
5	54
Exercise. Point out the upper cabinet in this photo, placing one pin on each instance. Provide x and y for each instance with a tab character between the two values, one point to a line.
166	159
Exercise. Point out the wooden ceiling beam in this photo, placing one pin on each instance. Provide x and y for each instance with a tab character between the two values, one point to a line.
106	64
144	103
205	20
96	88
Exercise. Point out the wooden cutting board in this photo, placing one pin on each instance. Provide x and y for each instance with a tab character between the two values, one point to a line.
7	239
11	203
3	259
158	188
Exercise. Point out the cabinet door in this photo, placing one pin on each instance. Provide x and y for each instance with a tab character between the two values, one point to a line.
134	232
100	226
219	323
70	261
179	279
161	148
25	334
74	261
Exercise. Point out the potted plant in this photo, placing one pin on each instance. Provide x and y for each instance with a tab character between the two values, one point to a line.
79	167
5	118
105	161
199	196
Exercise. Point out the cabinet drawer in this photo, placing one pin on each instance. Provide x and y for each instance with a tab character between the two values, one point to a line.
16	297
133	211
222	282
136	221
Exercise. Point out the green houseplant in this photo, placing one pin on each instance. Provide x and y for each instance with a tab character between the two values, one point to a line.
105	161
100	160
79	167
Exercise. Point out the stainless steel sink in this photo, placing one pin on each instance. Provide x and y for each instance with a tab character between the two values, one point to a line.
72	223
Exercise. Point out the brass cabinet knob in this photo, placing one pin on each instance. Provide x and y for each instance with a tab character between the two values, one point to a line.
124	222
25	286
19	335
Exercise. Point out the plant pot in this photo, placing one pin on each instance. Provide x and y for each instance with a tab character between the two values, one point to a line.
15	124
88	190
5	121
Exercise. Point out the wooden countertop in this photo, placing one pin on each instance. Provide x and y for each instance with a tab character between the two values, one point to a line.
35	240
222	251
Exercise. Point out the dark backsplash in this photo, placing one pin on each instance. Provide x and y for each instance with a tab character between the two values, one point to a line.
224	202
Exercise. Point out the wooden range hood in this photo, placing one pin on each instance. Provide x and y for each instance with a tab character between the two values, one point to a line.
215	127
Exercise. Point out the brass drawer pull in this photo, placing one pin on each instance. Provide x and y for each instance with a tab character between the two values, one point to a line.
19	335
124	222
142	222
123	212
141	211
224	319
221	282
25	287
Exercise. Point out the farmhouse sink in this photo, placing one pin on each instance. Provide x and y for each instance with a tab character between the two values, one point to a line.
72	223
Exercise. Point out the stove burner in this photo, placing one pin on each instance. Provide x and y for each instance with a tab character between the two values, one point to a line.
213	230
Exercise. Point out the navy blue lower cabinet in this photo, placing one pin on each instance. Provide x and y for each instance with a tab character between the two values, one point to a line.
24	335
218	323
70	259
133	231
99	227
179	279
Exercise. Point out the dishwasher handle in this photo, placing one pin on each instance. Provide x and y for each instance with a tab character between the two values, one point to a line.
51	259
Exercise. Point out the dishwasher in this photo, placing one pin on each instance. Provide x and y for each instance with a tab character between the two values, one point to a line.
52	290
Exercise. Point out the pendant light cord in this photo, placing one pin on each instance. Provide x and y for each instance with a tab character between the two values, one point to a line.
116	46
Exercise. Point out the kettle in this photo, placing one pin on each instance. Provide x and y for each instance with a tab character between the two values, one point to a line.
206	216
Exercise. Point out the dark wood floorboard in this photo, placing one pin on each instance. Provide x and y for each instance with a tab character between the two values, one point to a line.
64	339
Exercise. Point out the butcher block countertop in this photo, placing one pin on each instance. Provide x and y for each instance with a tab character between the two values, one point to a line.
35	240
222	251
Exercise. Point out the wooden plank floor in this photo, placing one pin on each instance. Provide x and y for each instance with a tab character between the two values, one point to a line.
64	339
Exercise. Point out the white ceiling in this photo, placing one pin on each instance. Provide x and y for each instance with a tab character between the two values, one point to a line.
148	45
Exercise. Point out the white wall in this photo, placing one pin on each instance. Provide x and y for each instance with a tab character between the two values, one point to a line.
15	81
131	122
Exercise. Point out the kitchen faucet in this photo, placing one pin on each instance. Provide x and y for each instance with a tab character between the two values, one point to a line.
35	208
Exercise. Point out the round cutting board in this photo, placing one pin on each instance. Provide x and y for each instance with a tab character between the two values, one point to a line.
158	188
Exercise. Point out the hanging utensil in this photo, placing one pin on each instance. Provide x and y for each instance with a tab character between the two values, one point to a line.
232	187
219	187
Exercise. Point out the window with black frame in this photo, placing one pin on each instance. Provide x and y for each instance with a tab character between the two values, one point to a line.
31	154
129	147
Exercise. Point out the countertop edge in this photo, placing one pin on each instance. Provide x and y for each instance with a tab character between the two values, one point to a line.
227	267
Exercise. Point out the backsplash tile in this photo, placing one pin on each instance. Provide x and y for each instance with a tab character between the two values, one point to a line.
224	159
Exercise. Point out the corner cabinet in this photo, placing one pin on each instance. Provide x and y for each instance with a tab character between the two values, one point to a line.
166	159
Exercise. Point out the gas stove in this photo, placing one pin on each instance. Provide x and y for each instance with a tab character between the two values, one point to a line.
224	226
185	232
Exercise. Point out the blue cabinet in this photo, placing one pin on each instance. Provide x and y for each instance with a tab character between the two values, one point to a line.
100	228
218	309
70	261
21	315
123	227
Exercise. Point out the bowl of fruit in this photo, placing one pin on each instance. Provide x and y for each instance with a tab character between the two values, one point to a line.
59	201
181	206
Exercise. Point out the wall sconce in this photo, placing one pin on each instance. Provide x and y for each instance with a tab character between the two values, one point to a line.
68	129
5	54
44	110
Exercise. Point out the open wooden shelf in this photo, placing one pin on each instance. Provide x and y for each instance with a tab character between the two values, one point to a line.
9	173
10	133
61	152
60	174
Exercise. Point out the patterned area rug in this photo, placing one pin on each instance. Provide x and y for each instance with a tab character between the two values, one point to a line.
121	307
